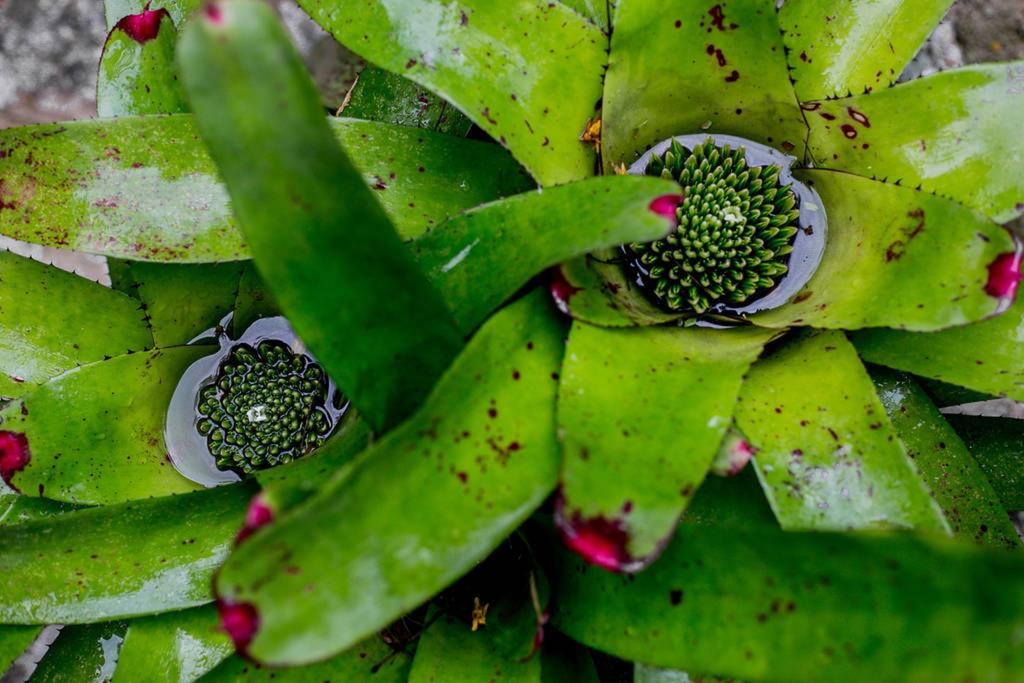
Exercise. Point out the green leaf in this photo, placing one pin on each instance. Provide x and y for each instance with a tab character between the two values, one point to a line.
596	289
480	455
146	188
594	10
996	445
254	300
895	257
82	654
19	509
987	356
765	605
179	9
480	258
137	74
649	674
839	46
339	270
680	67
96	434
954	133
131	559
956	481
564	660
368	661
173	647
380	95
641	412
51	321
528	73
826	453
14	640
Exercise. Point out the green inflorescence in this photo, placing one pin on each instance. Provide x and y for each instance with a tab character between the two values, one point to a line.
265	407
736	229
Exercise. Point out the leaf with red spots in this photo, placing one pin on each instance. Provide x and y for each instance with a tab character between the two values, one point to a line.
996	444
380	95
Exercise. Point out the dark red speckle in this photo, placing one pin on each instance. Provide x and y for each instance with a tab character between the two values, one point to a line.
666	205
859	117
239	620
718	18
849	131
733	77
1004	275
14	455
144	26
562	290
598	540
258	515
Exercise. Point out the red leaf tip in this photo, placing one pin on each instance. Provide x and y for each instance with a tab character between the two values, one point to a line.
666	205
1004	275
144	26
240	621
14	455
258	515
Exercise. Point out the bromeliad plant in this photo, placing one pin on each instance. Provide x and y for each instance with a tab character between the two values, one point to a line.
547	344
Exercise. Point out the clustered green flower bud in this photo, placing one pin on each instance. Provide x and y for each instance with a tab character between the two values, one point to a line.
736	229
264	408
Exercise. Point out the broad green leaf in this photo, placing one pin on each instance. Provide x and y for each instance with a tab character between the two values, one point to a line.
765	605
183	301
51	321
895	257
14	640
254	300
137	74
480	258
839	46
480	455
145	188
955	133
825	451
350	288
96	433
177	647
956	481
84	653
380	95
131	559
527	72
998	446
641	412
179	9
987	356
370	661
680	67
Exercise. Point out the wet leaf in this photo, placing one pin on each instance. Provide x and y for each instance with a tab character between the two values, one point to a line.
895	257
131	559
480	258
173	647
84	653
528	73
641	412
682	67
480	455
95	434
51	321
380	95
178	9
996	443
340	270
837	46
825	450
956	481
955	133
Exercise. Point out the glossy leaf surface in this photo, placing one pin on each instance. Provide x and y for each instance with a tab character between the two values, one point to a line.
840	46
339	271
956	133
19	509
480	454
528	73
96	434
987	356
125	560
84	653
172	648
895	257
641	412
682	67
51	321
825	451
380	95
137	74
958	484
480	258
998	446
178	9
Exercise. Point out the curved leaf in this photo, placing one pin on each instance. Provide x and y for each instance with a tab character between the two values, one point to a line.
178	9
145	188
641	412
956	133
172	648
825	451
480	258
116	561
895	257
481	455
956	481
339	270
765	605
81	654
680	67
95	434
996	443
839	46
51	321
987	356
597	290
380	95
528	73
